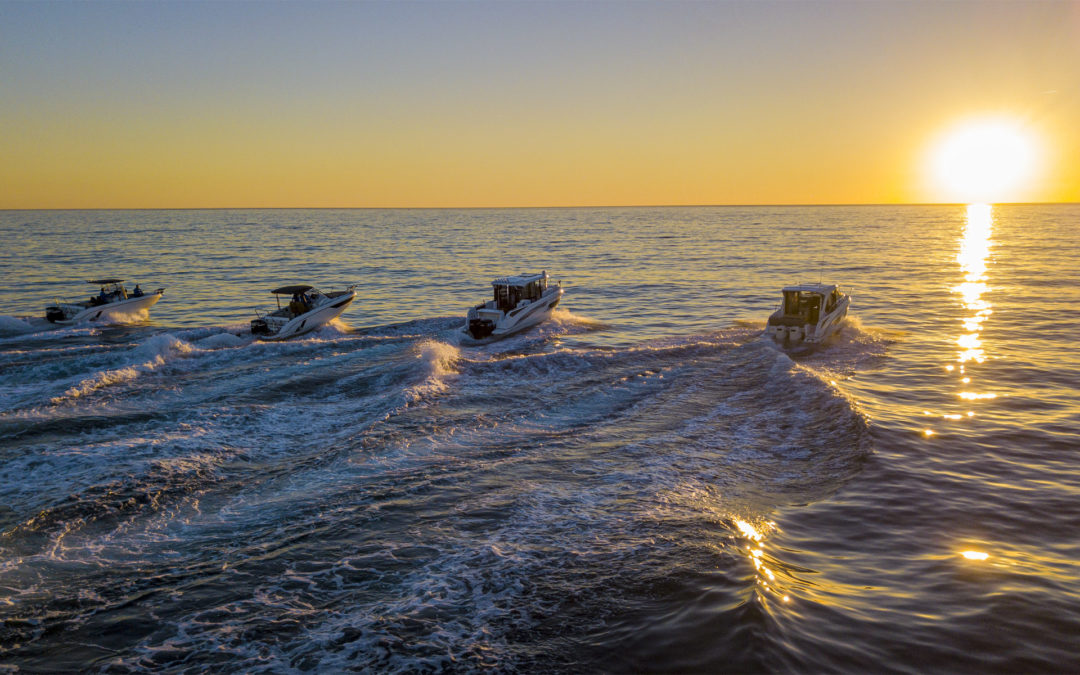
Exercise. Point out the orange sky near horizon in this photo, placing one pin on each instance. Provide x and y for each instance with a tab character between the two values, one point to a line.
185	105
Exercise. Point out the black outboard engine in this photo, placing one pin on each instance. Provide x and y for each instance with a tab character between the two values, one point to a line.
54	314
259	327
481	328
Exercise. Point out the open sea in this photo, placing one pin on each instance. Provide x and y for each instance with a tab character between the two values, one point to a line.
639	484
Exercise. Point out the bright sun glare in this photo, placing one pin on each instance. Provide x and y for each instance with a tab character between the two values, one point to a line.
989	160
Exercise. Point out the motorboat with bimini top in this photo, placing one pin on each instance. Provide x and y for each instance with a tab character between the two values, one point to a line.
113	299
520	302
809	314
308	309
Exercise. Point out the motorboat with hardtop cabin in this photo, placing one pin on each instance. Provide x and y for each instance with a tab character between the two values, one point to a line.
112	299
308	309
808	315
519	302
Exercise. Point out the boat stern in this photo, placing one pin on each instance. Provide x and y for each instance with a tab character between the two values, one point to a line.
55	313
480	328
786	331
260	327
481	321
787	336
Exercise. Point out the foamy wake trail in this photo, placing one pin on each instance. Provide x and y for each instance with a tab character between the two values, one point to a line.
332	331
570	320
151	355
440	360
856	346
750	324
855	326
337	327
10	325
857	342
221	341
120	318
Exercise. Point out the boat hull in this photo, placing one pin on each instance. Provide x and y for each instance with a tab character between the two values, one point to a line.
316	318
78	314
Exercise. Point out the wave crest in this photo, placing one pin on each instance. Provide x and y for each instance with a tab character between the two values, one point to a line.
156	351
440	360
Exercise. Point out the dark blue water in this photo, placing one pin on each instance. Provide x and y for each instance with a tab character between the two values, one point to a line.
640	483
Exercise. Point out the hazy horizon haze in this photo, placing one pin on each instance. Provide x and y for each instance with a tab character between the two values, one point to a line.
442	105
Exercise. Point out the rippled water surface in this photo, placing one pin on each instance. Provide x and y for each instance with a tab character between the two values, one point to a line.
638	484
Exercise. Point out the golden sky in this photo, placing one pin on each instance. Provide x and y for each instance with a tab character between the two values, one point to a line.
188	105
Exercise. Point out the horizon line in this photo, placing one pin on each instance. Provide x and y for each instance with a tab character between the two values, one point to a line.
492	208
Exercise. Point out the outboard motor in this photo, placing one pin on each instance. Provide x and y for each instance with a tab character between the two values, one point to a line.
259	327
54	314
481	328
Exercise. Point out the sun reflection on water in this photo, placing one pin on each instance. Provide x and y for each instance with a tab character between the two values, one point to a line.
756	552
972	256
974	250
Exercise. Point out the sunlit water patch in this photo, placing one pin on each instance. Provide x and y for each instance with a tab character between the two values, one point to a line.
639	483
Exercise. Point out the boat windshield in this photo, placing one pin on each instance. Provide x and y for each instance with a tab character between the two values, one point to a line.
507	296
114	291
830	303
803	304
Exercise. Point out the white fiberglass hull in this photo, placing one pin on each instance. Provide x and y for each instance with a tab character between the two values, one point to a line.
517	319
316	318
133	305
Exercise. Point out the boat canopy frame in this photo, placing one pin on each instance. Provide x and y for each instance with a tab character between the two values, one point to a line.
290	290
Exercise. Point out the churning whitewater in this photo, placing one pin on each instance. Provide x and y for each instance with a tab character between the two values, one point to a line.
384	494
642	482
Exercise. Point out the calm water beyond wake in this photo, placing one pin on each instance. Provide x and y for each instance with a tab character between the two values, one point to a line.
639	484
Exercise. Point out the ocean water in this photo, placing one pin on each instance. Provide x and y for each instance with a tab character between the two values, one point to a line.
639	484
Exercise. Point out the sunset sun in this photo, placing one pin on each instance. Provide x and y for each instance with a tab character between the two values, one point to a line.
989	160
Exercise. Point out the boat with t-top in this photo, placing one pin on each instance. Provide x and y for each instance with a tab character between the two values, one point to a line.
808	315
308	309
112	300
519	302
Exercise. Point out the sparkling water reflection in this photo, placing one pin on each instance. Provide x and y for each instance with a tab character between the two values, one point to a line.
974	251
973	257
639	484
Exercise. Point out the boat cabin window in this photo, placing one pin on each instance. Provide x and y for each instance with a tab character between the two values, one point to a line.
502	297
802	304
791	302
813	308
534	289
507	297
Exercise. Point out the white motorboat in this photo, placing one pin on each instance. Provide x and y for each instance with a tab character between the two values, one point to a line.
810	313
308	309
112	300
520	302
